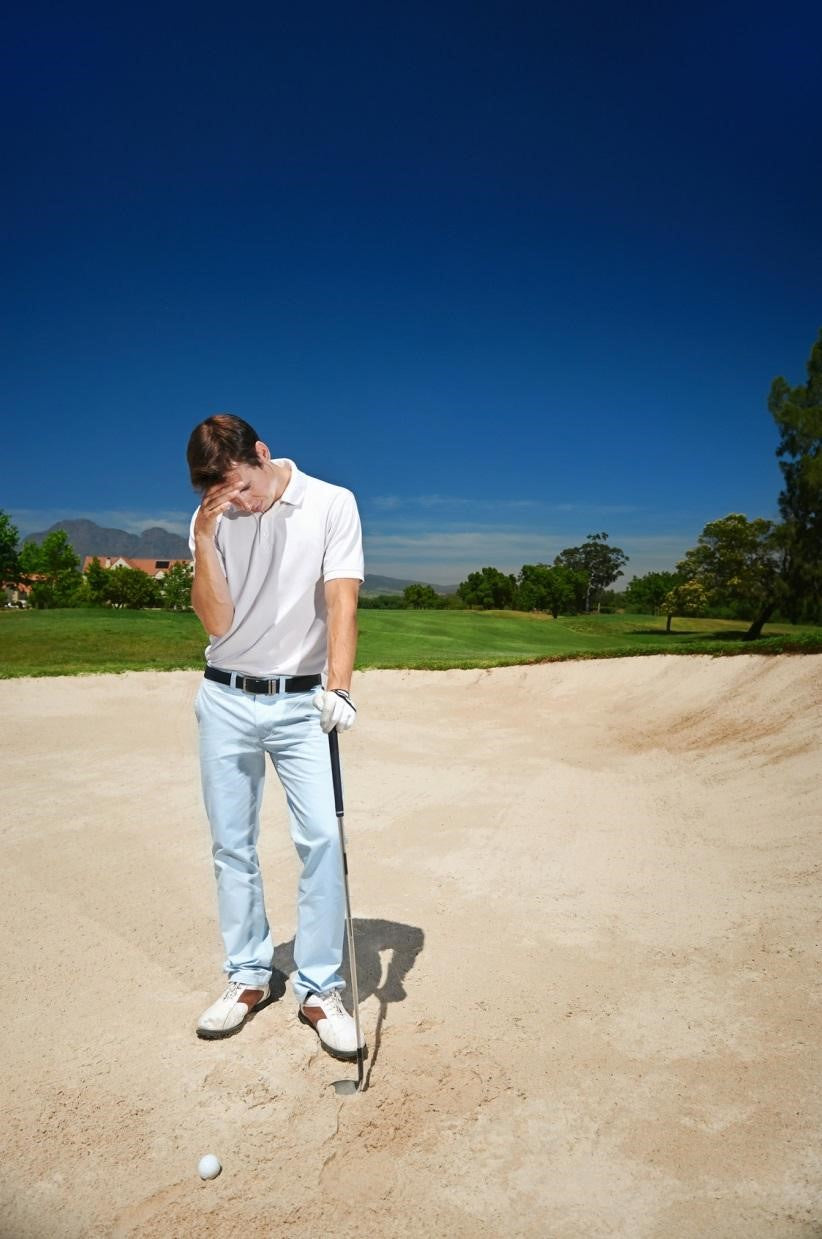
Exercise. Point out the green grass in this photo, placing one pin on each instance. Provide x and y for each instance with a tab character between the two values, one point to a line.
440	639
74	642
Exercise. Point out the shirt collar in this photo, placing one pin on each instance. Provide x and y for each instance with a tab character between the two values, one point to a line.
294	491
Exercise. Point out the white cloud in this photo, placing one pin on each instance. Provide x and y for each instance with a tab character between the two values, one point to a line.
393	503
495	503
446	556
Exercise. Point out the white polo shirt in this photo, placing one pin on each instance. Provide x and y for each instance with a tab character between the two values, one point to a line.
276	564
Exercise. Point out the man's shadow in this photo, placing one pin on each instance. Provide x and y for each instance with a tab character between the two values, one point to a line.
371	937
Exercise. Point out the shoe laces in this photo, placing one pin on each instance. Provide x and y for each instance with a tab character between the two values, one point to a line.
333	1003
233	991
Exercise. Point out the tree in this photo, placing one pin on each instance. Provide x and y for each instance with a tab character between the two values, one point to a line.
797	412
29	560
737	560
96	578
602	564
176	587
381	602
131	588
57	555
611	600
420	596
9	554
532	587
542	588
489	588
686	598
53	571
645	594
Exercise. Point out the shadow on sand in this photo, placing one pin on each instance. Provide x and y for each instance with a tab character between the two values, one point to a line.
371	939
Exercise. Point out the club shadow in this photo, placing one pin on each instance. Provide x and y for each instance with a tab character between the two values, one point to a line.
372	937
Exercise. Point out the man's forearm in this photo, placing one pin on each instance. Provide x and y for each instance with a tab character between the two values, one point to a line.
342	644
210	597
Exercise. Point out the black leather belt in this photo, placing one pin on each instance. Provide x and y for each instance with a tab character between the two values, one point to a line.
250	684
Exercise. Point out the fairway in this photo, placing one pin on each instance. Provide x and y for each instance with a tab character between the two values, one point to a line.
75	642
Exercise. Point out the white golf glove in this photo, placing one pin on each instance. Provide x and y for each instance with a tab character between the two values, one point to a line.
337	709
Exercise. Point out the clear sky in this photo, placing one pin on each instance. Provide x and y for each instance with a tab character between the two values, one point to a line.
514	273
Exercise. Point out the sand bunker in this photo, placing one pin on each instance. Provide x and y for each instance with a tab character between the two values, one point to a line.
587	901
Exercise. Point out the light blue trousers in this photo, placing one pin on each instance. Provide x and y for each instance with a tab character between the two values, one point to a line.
237	729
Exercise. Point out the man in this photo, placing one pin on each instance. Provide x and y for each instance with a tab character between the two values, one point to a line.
277	568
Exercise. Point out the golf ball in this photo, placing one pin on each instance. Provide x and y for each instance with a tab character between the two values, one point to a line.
209	1167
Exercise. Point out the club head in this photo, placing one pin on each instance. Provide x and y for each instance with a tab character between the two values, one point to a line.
346	1088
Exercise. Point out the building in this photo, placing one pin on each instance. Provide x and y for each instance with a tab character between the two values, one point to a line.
17	594
152	567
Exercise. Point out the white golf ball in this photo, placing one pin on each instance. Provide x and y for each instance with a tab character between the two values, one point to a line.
209	1167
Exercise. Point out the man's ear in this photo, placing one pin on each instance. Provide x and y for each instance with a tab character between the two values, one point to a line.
262	451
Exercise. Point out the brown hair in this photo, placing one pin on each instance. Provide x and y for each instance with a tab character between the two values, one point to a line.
218	443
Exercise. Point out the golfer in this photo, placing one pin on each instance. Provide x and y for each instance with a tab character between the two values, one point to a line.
278	564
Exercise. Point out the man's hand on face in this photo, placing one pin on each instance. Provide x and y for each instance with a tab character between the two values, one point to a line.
216	500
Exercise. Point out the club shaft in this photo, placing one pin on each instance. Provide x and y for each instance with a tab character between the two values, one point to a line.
334	747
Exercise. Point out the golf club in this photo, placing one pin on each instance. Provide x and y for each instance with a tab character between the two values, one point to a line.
347	1087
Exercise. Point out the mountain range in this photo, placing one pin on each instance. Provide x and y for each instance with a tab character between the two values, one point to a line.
89	538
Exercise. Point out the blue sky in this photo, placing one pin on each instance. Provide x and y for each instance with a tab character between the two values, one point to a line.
513	273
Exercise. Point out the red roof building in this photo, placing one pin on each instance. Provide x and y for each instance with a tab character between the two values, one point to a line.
153	567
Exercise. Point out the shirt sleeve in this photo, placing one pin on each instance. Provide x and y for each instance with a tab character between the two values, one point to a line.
343	555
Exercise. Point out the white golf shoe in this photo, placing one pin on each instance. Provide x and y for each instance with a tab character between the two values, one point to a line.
230	1011
331	1022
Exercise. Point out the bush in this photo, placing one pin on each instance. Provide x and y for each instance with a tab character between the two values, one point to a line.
132	588
382	602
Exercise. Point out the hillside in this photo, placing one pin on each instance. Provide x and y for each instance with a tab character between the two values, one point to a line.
89	538
374	584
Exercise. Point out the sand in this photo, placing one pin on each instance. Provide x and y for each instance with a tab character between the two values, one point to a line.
587	902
